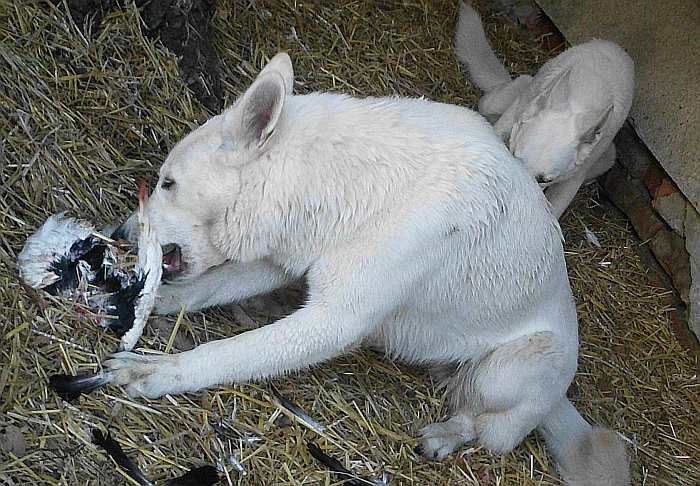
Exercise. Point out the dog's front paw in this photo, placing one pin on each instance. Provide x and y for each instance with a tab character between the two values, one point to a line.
147	376
441	439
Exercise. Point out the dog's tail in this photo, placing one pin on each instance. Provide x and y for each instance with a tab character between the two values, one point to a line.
473	50
587	455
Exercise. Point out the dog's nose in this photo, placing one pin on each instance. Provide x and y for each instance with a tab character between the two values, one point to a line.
542	179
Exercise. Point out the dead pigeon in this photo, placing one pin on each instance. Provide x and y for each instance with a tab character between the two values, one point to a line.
63	253
67	257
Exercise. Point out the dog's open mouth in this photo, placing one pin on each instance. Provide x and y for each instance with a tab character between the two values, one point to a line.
173	264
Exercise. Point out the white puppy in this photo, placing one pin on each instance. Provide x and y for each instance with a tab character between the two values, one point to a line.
417	232
560	123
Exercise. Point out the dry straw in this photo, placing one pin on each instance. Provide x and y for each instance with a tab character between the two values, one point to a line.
86	115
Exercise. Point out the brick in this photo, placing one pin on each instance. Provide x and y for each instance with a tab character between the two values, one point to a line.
670	251
671	206
692	244
631	196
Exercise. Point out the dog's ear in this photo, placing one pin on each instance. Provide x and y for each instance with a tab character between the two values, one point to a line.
254	119
590	127
556	94
282	65
260	109
590	124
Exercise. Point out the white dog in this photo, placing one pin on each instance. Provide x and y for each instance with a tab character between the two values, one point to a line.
417	232
560	123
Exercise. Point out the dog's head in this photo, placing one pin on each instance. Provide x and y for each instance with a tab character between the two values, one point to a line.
211	170
553	135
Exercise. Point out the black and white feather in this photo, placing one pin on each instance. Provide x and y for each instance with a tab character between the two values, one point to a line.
147	277
71	387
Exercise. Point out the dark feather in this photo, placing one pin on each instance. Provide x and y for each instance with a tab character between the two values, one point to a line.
122	305
296	411
115	451
335	466
71	387
91	250
199	476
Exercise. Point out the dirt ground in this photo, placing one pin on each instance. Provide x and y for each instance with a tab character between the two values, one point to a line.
88	110
182	26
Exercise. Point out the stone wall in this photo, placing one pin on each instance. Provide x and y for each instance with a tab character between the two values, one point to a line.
662	217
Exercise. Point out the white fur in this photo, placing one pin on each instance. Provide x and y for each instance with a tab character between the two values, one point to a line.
472	48
416	230
562	122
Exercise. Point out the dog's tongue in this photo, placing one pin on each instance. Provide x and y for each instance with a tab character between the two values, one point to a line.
172	260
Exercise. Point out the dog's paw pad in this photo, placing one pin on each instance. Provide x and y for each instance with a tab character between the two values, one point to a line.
439	440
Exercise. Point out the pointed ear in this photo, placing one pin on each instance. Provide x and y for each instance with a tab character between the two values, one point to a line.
590	124
261	108
282	65
557	93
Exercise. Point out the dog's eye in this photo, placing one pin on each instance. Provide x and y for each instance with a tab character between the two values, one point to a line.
167	184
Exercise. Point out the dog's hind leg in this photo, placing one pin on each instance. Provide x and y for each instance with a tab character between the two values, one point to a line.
501	397
231	282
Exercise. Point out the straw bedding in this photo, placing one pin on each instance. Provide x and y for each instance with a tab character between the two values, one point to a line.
87	112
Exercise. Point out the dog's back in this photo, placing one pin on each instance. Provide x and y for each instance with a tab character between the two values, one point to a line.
435	180
600	73
416	231
457	225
